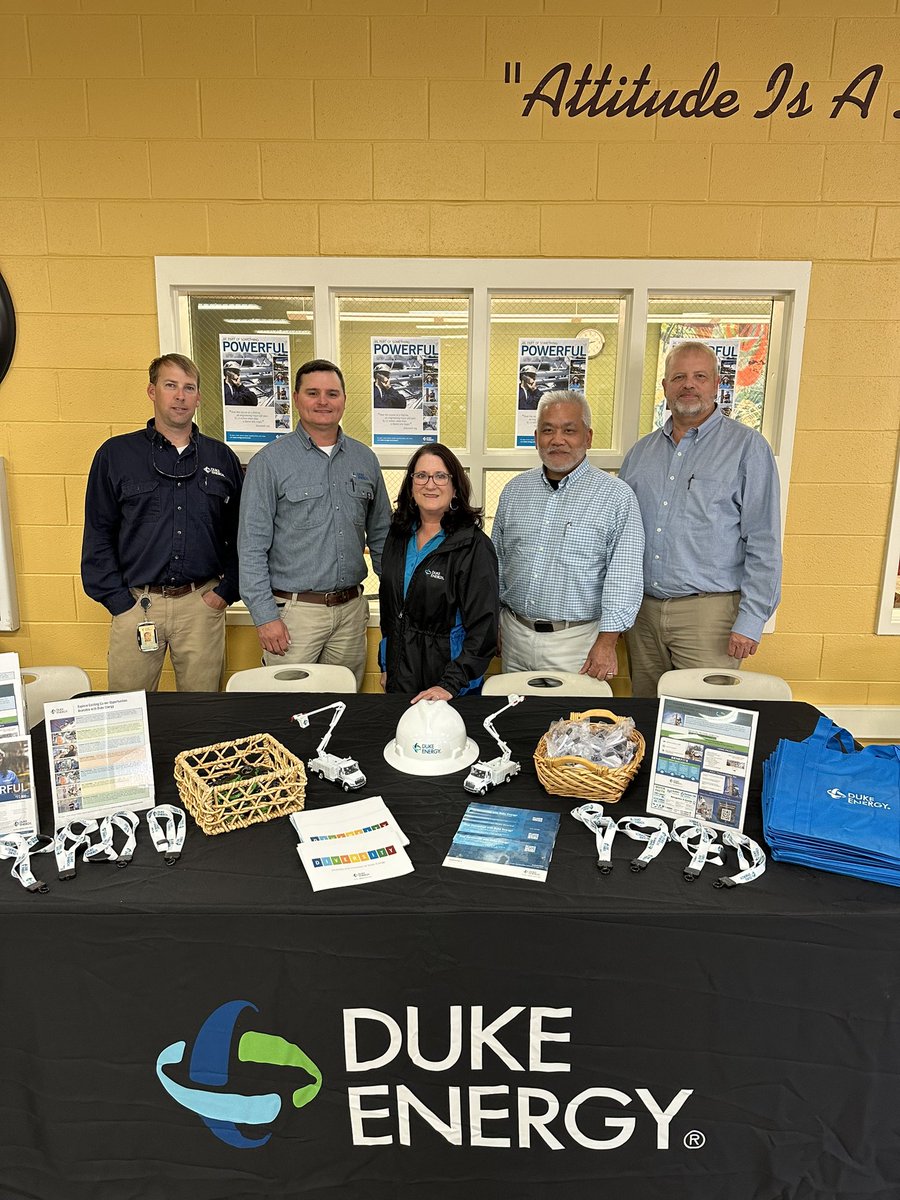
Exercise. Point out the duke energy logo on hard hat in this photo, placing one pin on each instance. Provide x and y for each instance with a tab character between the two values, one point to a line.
222	1110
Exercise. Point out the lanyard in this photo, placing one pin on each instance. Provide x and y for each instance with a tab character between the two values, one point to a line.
604	829
69	839
20	848
167	826
700	842
652	830
751	868
104	850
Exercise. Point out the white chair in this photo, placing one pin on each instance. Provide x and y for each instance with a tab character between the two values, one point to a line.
45	684
717	683
545	683
293	677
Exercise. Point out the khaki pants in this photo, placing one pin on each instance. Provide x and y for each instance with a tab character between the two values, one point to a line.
193	632
687	631
525	650
320	634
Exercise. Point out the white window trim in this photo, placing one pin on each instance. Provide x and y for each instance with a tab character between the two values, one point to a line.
886	622
635	279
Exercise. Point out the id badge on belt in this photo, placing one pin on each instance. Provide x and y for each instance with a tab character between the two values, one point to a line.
147	638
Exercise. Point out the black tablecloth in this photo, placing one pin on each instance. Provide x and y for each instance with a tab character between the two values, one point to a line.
758	1024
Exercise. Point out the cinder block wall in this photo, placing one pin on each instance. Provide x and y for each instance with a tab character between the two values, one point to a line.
383	127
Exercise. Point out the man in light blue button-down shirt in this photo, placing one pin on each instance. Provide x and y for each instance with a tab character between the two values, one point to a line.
709	497
570	544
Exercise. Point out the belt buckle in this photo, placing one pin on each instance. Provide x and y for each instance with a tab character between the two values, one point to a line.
330	601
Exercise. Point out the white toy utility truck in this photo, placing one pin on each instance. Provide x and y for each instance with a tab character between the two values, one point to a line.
488	774
343	771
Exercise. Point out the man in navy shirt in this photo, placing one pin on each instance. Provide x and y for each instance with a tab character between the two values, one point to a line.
160	539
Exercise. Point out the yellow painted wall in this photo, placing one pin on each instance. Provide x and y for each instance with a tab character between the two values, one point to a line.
130	128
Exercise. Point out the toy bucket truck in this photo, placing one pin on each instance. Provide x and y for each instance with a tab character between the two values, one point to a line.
490	773
344	772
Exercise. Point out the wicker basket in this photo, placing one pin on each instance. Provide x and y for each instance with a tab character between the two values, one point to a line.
570	775
235	784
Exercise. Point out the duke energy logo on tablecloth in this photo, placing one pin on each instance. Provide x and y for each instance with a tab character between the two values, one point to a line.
223	1110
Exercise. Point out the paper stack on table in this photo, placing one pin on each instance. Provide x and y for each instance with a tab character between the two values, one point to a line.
353	843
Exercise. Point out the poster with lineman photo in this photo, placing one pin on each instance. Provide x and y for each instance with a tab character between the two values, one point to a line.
256	387
405	392
18	804
726	351
546	367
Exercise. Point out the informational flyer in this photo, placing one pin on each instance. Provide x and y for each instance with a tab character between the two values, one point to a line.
406	396
726	351
13	718
18	803
99	754
504	841
256	387
701	762
546	366
348	844
339	821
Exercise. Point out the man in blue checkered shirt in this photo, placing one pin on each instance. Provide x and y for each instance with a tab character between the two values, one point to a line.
570	542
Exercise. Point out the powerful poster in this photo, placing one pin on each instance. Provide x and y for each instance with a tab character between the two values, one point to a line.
545	366
405	391
256	387
726	351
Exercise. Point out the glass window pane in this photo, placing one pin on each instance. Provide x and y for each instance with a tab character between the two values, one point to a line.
740	323
243	316
543	323
392	481
413	317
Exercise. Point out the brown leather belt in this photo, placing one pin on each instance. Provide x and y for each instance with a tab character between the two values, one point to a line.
330	599
172	593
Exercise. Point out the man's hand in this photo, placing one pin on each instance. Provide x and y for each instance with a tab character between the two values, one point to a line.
432	693
213	600
274	637
740	646
601	662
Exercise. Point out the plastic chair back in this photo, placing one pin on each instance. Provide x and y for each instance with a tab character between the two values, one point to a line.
45	684
293	677
718	683
545	683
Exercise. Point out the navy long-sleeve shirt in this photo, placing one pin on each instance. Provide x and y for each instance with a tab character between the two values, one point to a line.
154	516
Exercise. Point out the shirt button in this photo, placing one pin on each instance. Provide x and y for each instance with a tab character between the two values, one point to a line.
679	454
658	530
179	508
665	504
656	556
671	476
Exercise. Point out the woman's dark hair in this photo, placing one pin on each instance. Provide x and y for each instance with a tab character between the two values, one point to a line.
406	514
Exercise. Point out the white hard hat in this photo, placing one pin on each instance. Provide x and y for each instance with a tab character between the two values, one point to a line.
431	740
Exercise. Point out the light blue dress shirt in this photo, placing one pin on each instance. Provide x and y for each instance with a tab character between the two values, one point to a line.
571	553
712	515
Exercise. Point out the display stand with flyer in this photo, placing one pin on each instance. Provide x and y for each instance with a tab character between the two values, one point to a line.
701	762
99	753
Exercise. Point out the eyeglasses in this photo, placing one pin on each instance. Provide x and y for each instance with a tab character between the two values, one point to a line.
439	477
180	475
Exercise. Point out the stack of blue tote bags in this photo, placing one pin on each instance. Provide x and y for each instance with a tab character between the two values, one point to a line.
830	806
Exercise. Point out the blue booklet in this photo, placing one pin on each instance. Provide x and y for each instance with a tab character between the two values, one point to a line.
504	841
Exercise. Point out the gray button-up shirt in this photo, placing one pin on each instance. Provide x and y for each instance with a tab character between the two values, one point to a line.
306	518
711	513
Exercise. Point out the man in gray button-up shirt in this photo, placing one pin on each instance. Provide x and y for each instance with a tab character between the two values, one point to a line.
312	501
708	491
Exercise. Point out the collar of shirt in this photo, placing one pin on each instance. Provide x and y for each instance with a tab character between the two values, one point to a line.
576	473
715	418
310	444
151	432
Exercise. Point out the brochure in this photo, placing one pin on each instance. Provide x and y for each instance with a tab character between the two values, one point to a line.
99	753
701	762
504	841
18	803
13	719
347	844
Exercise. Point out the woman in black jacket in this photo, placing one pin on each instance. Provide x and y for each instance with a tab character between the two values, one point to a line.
439	595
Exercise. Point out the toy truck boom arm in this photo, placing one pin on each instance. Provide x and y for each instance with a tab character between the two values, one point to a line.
302	720
489	724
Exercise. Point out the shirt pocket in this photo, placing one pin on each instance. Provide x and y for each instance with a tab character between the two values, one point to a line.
140	500
709	501
306	506
216	491
359	495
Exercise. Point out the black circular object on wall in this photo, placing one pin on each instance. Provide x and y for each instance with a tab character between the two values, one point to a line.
7	328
